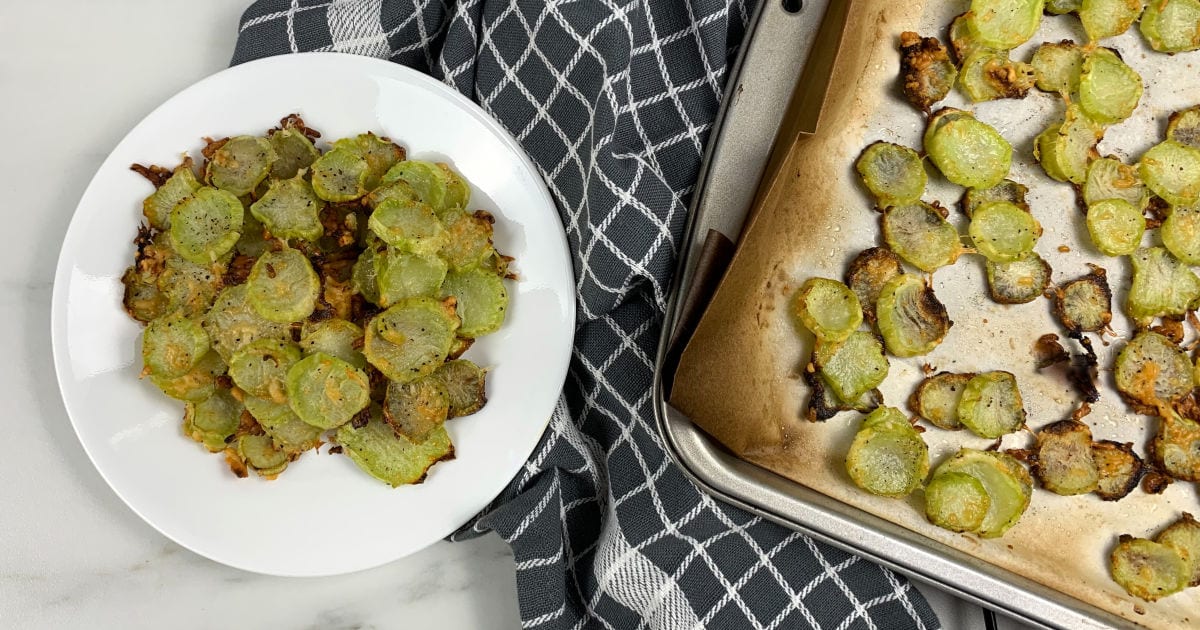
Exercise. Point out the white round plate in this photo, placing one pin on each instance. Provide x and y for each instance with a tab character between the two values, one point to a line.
323	516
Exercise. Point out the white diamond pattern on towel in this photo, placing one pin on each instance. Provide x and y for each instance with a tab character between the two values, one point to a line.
637	583
613	100
355	28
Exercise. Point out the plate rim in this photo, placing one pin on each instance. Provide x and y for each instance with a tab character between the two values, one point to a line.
365	65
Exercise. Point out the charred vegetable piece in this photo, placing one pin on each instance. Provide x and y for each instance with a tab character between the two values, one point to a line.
1184	126
380	154
364	277
398	190
851	367
1063	461
260	454
1115	226
189	287
936	399
988	75
968	152
337	294
1003	232
1146	569
416	409
961	39
1057	66
423	177
289	432
282	286
1119	468
827	308
401	275
1109	90
335	337
498	264
991	405
240	164
172	345
182	183
1006	190
1085	304
823	404
956	501
1109	178
1161	285
1062	7
921	235
260	368
1107	18
293	151
1180	233
1176	447
1172	26
1047	351
1020	281
926	71
888	456
411	339
458	192
1083	371
1065	149
435	184
408	226
1151	370
1184	537
206	225
290	209
326	391
1005	482
390	458
340	175
1172	171
232	323
1004	24
211	421
866	403
469	239
252	242
939	119
911	318
198	384
141	298
868	272
481	300
894	174
1171	328
464	383
459	347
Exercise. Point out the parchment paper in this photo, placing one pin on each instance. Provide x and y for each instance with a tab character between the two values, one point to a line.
739	377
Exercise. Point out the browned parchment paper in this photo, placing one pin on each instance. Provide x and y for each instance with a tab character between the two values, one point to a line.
739	379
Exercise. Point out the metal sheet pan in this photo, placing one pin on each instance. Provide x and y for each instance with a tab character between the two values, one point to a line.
723	197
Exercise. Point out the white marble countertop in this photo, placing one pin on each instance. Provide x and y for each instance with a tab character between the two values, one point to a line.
75	76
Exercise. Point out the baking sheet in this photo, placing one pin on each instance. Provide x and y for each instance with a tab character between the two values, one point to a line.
739	376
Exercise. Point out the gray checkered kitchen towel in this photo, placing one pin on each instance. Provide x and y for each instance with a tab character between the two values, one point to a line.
613	100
